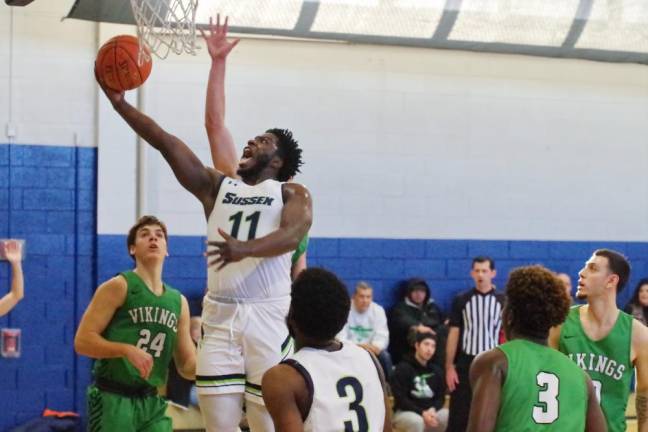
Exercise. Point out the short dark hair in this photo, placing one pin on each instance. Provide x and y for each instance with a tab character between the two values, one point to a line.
319	304
618	265
289	152
421	336
635	296
143	221
535	301
482	259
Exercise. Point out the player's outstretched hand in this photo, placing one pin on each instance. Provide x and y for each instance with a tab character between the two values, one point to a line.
452	379
114	97
227	251
216	39
12	250
142	361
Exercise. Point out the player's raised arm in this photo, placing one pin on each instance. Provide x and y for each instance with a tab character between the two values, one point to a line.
188	169
296	219
640	347
185	350
487	374
221	144
89	340
284	390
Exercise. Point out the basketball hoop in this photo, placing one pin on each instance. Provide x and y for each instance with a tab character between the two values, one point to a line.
165	26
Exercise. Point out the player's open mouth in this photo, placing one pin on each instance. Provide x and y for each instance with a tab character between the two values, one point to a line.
247	155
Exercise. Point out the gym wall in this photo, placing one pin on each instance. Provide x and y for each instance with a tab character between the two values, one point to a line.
417	161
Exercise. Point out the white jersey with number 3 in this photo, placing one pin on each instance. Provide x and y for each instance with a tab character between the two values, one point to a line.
248	212
346	389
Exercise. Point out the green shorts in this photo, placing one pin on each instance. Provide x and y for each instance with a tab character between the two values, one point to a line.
112	412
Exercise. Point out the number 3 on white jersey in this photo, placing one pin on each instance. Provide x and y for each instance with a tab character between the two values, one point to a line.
546	410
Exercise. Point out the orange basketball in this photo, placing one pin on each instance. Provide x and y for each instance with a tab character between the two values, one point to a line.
117	63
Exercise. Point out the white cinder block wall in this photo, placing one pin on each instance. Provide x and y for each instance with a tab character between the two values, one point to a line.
398	142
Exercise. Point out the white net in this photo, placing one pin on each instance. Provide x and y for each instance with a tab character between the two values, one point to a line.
165	26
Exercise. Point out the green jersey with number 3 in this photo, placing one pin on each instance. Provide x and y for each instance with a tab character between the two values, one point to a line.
147	321
543	390
607	361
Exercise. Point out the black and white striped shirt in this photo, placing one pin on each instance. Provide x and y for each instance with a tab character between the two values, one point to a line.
479	318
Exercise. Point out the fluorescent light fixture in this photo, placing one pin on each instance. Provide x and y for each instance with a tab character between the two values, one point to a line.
271	14
620	26
524	22
395	18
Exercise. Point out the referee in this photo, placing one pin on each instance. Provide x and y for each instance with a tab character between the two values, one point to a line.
475	323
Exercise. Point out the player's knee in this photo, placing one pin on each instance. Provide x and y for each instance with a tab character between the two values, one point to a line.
221	413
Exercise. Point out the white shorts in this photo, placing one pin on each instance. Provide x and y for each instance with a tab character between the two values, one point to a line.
240	342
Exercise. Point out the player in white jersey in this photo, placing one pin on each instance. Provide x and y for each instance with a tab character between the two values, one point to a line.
254	223
326	385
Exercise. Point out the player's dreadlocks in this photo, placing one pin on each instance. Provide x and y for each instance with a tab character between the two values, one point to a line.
289	152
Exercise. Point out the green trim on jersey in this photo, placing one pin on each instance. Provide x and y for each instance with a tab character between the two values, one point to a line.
147	321
607	361
301	249
543	390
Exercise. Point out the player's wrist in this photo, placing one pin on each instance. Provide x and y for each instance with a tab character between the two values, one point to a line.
125	350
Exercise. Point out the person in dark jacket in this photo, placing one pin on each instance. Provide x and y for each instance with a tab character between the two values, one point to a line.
417	312
418	385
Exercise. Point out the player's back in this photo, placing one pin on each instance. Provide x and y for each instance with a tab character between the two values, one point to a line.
346	390
543	390
247	212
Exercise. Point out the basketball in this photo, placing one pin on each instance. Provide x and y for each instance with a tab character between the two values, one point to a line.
117	63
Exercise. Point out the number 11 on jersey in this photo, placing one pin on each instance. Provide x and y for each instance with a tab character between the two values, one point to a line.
253	219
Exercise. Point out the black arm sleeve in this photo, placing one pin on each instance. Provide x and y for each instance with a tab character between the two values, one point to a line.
456	320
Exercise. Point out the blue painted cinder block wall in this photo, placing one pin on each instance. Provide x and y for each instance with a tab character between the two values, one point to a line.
47	197
385	264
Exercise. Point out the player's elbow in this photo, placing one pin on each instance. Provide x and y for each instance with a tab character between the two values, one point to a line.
214	127
80	344
188	370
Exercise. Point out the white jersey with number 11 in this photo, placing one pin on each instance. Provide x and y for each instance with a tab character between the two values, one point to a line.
248	212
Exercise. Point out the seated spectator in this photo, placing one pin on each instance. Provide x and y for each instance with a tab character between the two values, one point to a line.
417	311
638	304
12	252
367	326
418	385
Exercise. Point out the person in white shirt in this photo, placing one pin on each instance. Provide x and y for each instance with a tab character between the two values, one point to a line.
367	326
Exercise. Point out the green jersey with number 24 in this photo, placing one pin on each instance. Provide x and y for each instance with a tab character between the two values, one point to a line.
147	321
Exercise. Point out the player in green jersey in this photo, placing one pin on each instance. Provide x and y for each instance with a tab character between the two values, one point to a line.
133	326
605	341
523	385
